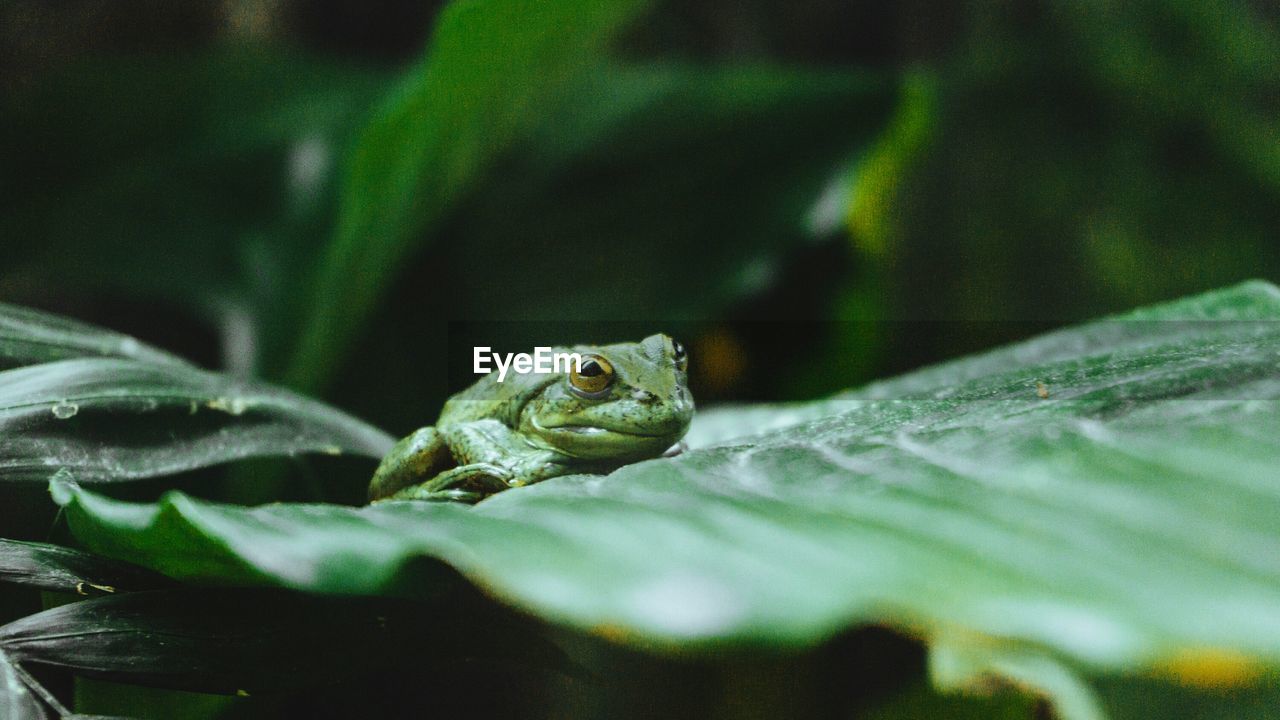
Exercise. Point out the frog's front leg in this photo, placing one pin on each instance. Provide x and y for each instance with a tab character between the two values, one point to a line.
466	483
415	458
489	442
487	457
425	466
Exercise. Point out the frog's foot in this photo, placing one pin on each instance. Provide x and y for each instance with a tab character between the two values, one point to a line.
466	483
420	492
676	449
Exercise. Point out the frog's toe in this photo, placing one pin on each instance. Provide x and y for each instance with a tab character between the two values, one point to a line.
475	477
421	493
469	483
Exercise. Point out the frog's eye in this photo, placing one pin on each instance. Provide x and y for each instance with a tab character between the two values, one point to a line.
594	374
680	354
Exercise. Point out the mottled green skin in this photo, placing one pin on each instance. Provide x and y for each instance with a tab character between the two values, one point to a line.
493	436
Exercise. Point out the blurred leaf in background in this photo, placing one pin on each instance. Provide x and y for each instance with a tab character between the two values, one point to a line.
651	197
1065	162
199	181
1087	157
487	73
230	176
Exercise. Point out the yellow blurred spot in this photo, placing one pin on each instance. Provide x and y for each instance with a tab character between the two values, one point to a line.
253	19
612	633
1042	391
1212	668
231	406
718	360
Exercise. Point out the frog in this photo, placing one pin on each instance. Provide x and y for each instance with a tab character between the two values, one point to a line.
619	404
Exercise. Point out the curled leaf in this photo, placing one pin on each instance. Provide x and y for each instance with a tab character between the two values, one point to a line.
106	419
29	337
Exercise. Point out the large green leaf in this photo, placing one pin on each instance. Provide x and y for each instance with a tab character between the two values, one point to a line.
1242	310
491	66
1101	498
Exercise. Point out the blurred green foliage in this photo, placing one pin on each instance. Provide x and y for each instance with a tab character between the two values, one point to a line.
489	72
1046	163
1088	157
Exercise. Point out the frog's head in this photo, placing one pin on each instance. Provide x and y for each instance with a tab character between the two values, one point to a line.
625	402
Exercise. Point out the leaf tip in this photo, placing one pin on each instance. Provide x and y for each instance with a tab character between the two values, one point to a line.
1258	286
63	487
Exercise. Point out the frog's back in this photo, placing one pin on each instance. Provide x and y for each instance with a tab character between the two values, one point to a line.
489	399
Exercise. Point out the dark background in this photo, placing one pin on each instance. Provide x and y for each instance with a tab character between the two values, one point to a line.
172	170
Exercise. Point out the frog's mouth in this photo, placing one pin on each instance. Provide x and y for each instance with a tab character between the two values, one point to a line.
600	441
597	431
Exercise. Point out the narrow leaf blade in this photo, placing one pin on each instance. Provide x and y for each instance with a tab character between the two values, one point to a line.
60	569
29	337
105	420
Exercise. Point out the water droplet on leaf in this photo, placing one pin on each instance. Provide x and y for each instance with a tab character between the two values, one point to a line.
231	406
65	409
